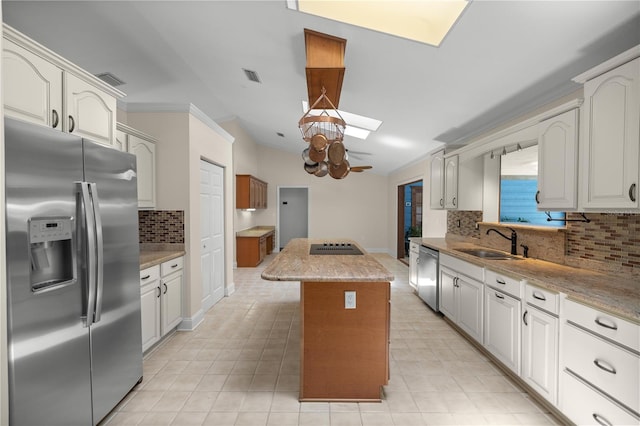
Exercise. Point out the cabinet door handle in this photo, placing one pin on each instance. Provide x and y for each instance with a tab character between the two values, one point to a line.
499	296
605	325
632	192
174	266
165	288
604	366
72	124
441	202
499	281
146	277
55	119
537	199
159	291
524	318
454	201
601	420
539	296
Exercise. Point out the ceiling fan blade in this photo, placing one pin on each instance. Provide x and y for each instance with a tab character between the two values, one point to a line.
359	169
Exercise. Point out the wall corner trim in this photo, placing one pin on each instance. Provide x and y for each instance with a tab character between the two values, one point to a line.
190	324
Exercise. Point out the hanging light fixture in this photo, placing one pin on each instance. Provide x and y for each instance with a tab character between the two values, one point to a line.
328	123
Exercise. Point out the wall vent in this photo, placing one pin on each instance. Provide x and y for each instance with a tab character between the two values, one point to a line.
251	75
110	79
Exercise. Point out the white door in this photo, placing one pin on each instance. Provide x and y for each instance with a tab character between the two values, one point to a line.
293	214
212	233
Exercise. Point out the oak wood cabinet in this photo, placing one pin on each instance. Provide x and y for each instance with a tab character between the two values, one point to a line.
252	249
251	192
143	147
43	88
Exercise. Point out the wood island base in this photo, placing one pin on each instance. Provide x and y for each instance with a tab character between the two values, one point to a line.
344	354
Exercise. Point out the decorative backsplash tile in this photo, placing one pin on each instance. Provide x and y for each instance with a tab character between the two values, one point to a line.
463	223
609	243
161	226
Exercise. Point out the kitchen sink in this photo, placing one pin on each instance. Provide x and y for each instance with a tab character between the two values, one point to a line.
488	254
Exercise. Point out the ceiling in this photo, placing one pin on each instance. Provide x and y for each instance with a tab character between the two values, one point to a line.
500	60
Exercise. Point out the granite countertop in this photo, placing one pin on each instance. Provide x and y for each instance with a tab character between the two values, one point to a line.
152	255
294	263
619	295
256	231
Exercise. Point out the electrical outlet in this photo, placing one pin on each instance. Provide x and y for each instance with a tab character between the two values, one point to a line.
349	299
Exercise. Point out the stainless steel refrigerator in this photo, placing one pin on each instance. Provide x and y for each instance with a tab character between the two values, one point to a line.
73	289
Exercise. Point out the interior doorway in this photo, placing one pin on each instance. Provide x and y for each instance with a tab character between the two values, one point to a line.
293	214
409	216
211	233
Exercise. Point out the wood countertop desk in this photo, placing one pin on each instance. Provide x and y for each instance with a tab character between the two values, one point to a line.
344	306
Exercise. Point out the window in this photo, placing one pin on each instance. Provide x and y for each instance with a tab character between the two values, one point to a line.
518	187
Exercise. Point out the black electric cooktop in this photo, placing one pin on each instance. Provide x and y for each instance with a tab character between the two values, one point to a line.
334	248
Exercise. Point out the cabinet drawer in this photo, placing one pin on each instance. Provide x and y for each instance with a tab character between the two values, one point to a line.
466	268
609	326
150	274
171	266
503	283
608	367
585	406
544	299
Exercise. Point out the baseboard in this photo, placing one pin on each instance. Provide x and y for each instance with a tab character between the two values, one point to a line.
190	324
229	289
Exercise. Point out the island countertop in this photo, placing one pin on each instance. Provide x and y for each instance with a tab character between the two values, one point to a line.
294	263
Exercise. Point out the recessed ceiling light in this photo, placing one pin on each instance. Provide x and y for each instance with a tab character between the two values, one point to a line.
425	21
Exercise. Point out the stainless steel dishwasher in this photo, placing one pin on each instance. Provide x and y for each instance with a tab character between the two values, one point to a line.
428	277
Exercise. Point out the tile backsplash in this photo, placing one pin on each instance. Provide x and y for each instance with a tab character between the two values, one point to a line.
161	226
609	242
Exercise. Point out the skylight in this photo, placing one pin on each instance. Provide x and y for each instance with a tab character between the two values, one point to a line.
425	21
358	126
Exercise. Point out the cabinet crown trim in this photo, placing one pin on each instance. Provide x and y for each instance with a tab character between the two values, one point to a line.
40	50
137	133
607	66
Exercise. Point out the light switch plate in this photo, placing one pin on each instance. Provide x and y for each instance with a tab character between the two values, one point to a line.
349	299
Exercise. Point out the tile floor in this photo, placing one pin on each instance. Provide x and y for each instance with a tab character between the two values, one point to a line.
241	366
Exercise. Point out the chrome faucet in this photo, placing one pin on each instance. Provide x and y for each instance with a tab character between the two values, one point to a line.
513	239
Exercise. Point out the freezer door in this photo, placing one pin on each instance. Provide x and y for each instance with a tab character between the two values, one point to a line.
49	364
116	338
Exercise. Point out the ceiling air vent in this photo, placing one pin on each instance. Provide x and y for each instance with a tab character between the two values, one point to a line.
251	75
110	79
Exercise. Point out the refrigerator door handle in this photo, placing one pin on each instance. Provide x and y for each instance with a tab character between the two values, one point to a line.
88	225
99	251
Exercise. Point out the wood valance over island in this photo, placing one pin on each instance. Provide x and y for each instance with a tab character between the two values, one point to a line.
344	321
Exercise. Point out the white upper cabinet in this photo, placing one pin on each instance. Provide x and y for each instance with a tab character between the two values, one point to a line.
451	182
41	87
610	140
557	162
143	147
90	112
32	87
436	200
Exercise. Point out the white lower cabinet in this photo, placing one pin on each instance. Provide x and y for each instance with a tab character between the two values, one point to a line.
585	406
540	342
461	295
502	319
600	369
161	300
414	253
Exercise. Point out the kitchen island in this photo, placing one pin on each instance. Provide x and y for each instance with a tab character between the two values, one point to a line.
344	318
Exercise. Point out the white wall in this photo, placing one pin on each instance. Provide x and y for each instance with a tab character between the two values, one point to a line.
354	207
183	140
434	222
